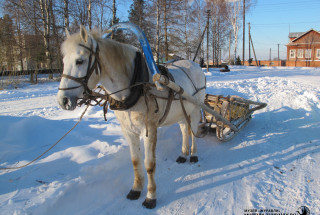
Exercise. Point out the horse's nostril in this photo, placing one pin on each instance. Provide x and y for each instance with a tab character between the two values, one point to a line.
65	101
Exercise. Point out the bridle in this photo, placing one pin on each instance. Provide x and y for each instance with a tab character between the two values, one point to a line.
93	98
83	81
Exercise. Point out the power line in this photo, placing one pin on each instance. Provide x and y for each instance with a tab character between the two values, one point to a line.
285	23
289	11
270	43
288	3
303	8
265	34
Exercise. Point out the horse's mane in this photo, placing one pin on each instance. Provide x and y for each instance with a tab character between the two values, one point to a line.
121	56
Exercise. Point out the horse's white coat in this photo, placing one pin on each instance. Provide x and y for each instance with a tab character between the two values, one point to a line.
117	66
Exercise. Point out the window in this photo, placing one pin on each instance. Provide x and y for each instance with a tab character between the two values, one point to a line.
292	53
300	53
308	53
318	53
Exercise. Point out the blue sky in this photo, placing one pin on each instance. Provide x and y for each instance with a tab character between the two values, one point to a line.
271	21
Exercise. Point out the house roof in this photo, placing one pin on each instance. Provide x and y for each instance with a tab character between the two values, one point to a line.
298	35
295	34
304	34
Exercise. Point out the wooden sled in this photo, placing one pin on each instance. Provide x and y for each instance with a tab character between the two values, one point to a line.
234	109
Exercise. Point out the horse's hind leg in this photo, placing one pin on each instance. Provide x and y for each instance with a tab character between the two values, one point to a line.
194	156
195	117
185	143
134	143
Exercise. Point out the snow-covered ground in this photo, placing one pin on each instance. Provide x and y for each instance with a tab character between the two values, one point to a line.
273	164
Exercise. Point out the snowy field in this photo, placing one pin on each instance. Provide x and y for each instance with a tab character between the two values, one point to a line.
273	164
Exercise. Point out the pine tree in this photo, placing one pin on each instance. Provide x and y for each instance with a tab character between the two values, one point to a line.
137	15
238	61
136	12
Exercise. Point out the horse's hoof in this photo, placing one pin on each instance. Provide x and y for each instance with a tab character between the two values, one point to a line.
181	159
194	159
150	203
133	195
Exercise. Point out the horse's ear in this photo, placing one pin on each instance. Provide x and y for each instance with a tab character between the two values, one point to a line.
83	34
67	32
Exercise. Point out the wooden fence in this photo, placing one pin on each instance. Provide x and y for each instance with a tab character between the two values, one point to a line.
12	79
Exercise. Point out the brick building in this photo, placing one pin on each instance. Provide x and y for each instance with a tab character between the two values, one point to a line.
304	49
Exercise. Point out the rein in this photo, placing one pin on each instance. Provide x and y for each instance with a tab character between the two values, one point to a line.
37	158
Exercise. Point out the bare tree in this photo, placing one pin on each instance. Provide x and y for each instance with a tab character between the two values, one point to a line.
46	21
114	12
199	12
66	13
165	21
158	30
234	18
234	10
89	15
19	38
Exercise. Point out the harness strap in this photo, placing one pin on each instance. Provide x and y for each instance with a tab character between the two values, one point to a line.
194	85
189	121
169	102
140	75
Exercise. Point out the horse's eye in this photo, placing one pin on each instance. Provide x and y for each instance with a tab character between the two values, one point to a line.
79	61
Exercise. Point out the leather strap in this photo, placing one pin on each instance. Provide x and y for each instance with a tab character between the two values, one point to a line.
140	75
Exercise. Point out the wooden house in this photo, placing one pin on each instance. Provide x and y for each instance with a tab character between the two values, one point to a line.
303	49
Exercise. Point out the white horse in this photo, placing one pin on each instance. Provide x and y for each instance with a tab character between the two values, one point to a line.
90	60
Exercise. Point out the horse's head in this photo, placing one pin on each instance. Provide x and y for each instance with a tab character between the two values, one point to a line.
81	68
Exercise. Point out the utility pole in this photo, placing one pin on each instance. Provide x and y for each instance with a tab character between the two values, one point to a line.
255	56
208	16
204	31
229	47
244	28
249	61
278	55
270	56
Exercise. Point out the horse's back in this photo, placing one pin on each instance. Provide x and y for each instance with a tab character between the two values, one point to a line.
189	76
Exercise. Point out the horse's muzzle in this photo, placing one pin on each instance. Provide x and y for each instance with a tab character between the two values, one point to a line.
68	103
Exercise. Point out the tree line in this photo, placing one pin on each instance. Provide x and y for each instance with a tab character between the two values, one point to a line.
31	31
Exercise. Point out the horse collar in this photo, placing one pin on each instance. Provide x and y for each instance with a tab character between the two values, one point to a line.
140	75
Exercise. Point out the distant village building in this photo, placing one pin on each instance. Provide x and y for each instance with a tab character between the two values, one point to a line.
304	49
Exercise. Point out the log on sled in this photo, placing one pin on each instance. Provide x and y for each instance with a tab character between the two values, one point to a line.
234	109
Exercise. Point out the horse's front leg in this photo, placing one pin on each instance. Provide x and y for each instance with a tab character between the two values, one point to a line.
150	143
134	143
